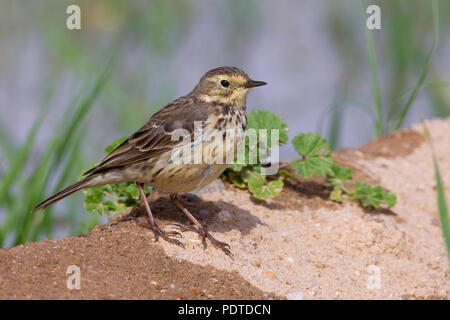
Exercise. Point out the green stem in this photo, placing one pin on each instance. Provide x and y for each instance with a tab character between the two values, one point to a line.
376	92
111	195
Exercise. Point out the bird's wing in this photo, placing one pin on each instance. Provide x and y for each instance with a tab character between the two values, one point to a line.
154	137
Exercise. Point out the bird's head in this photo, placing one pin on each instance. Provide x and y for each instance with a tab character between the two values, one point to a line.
228	85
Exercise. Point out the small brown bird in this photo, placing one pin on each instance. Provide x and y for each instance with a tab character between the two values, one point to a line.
217	103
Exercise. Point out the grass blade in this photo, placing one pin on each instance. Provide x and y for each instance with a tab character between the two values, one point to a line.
335	128
338	109
21	157
11	176
65	139
45	223
425	69
6	145
20	225
376	92
441	201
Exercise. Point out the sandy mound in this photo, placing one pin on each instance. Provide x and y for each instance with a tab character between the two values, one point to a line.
300	245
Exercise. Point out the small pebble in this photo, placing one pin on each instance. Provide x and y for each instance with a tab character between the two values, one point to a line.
214	280
224	216
181	258
295	295
256	263
172	286
270	275
435	222
290	260
196	290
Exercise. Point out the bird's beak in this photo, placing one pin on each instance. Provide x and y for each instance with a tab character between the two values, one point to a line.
252	83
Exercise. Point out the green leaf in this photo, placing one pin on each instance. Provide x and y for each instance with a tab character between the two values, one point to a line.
259	136
114	145
263	119
93	200
236	179
373	196
336	195
123	195
236	167
261	190
309	168
313	162
95	194
287	175
390	199
337	175
310	144
132	191
118	198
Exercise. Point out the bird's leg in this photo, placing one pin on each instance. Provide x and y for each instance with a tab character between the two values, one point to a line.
152	224
199	228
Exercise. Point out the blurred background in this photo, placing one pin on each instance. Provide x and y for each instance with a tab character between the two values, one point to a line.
67	94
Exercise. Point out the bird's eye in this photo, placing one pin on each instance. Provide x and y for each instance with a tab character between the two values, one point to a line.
224	83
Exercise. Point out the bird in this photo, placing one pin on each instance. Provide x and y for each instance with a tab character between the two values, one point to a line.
177	150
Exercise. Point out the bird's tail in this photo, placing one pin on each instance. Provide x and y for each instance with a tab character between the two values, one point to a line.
66	192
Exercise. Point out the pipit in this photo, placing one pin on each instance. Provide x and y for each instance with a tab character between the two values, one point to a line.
149	156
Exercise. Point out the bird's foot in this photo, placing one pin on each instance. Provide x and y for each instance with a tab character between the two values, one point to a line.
166	235
204	234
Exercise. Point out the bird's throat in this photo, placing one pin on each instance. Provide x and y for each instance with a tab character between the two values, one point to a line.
234	100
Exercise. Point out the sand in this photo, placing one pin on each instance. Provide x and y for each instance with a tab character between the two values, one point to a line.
297	246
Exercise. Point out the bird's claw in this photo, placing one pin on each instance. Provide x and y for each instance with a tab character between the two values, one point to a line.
203	233
166	235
